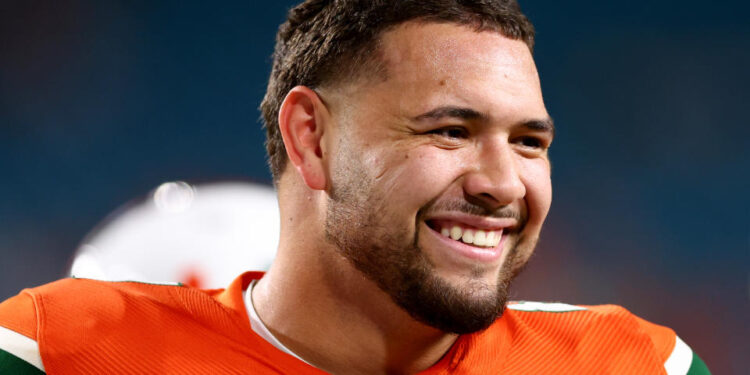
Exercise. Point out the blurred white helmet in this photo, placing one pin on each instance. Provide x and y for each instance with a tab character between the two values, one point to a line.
203	235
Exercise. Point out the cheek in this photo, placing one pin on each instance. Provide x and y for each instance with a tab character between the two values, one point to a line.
538	190
415	177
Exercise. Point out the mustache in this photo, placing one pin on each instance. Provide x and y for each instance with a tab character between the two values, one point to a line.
469	208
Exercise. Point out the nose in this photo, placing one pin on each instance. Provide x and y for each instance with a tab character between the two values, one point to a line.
495	179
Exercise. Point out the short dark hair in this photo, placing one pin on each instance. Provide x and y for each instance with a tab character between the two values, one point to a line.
325	42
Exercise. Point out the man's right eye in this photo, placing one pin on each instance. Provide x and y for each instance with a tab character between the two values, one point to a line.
455	132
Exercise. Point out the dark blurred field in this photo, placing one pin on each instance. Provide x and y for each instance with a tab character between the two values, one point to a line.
102	101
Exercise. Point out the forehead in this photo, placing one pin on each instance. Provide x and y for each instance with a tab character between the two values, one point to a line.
430	63
444	45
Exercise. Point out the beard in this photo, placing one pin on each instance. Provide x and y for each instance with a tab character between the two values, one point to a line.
363	231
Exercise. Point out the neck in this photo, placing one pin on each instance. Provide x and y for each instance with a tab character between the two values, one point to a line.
317	305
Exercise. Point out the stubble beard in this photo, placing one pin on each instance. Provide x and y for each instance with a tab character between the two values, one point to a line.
358	224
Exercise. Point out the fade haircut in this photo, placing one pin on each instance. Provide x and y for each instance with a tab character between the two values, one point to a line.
325	42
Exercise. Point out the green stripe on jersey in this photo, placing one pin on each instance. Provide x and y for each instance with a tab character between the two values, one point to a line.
10	364
698	367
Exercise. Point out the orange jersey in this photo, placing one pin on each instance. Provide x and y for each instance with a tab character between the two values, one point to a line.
93	327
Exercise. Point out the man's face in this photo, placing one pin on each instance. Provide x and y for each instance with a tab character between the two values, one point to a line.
440	178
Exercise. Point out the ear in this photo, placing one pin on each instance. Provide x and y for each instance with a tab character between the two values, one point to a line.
302	118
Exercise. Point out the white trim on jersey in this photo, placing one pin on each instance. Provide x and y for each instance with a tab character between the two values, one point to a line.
544	306
680	360
21	347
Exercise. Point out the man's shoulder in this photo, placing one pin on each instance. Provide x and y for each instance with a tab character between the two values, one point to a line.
81	303
588	334
66	306
100	290
91	297
111	300
99	300
61	322
573	316
612	324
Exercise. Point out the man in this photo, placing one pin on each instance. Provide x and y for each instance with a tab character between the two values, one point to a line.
408	142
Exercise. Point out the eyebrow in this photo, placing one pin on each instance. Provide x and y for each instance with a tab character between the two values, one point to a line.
544	125
452	112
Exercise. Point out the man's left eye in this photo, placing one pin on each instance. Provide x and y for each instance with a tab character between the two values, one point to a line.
451	132
531	142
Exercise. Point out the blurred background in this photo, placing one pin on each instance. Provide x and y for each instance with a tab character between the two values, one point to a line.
101	102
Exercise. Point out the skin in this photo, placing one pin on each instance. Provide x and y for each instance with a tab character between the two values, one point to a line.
373	163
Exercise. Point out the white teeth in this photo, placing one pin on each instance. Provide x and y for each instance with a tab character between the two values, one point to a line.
494	238
480	238
456	233
491	236
473	237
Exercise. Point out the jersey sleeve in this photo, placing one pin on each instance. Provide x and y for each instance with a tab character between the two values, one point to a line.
677	356
19	350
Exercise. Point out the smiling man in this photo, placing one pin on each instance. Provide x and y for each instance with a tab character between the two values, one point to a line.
409	146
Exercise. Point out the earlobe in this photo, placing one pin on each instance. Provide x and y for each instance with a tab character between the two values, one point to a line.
302	119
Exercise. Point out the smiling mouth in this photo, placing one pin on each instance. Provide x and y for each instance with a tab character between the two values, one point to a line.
471	236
